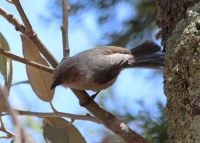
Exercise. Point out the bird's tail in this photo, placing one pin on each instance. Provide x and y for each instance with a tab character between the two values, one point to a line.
146	55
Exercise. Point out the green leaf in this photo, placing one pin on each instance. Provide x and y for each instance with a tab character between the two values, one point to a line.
5	69
73	133
55	134
6	64
3	60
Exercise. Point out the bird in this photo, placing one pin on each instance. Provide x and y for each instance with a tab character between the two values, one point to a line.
98	68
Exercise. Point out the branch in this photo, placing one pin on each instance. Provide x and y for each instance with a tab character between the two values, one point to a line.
33	37
18	126
28	27
110	121
9	134
13	20
86	117
64	28
3	129
25	61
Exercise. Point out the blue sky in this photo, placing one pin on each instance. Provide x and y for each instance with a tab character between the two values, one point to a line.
131	86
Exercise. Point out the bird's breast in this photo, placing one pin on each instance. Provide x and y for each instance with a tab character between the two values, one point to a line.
88	84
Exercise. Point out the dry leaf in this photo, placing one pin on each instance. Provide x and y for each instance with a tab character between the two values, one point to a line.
40	80
54	134
73	133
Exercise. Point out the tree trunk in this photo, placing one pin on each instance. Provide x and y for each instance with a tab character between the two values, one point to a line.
180	32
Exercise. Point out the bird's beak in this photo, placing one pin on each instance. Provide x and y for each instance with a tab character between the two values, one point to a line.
55	83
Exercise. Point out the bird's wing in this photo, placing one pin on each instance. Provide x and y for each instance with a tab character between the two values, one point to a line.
108	50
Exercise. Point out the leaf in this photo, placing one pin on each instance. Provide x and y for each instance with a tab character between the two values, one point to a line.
6	70
6	64
3	60
40	80
55	134
74	135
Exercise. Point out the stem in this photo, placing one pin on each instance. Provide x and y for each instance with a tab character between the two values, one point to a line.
13	114
9	134
57	114
25	61
52	107
34	38
28	27
13	20
64	28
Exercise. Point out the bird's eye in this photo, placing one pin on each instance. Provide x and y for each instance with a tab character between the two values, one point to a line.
62	76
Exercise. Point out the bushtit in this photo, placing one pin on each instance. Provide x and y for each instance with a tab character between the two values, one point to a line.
97	69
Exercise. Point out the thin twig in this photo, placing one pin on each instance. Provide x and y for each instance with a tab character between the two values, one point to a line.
13	20
57	114
25	61
28	27
34	38
9	134
3	129
64	28
69	124
52	107
3	93
21	134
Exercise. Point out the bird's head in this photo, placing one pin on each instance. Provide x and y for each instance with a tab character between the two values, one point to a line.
59	74
58	78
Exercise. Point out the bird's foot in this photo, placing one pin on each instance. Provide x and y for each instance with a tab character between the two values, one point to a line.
89	99
94	95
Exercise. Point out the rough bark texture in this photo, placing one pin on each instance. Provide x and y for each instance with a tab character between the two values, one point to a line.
170	12
181	37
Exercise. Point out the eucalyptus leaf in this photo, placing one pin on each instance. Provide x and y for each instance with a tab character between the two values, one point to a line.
40	80
6	70
73	133
55	134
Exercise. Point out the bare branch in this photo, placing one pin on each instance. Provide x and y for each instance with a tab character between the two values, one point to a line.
58	114
109	120
34	38
13	20
28	27
18	126
9	134
25	61
64	28
3	129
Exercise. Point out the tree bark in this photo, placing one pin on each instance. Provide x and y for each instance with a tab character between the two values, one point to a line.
180	31
170	12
